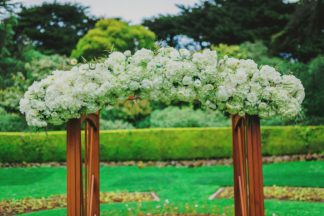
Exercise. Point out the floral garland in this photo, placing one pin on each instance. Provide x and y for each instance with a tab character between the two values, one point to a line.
231	85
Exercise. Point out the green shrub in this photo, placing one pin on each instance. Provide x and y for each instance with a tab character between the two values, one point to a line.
234	51
11	122
114	125
36	67
314	101
127	111
32	147
187	117
246	50
160	144
166	144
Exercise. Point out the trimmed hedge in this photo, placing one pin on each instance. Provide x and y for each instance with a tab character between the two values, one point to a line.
160	144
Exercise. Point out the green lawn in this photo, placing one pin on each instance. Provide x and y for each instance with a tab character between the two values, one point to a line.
177	185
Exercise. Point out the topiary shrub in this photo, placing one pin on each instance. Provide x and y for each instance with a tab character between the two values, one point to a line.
187	117
160	144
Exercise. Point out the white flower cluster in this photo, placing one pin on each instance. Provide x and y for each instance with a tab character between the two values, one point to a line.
243	88
231	85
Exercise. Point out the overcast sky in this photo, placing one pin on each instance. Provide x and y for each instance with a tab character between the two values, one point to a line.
130	10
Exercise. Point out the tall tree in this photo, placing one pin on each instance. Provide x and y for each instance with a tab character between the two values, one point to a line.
10	50
303	36
7	22
312	76
112	34
54	27
224	21
6	6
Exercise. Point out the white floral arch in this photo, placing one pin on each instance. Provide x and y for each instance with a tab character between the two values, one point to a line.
230	85
238	87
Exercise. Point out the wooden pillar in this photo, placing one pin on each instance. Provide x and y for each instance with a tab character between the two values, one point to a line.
74	166
92	165
247	162
83	190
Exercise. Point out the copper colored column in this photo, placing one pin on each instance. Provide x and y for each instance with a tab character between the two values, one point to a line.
74	166
83	196
92	165
254	160
247	162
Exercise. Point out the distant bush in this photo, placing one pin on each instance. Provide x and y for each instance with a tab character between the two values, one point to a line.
127	111
246	50
114	125
36	67
314	101
229	50
187	117
11	122
255	51
160	144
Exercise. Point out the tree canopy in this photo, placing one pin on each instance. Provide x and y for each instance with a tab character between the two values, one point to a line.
224	21
303	36
112	34
314	79
7	23
11	51
7	6
54	27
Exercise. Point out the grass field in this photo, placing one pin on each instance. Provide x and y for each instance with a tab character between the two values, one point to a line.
176	185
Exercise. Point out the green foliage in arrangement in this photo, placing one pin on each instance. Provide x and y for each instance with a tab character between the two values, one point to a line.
112	34
160	144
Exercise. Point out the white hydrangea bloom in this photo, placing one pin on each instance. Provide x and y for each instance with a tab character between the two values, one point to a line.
232	85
